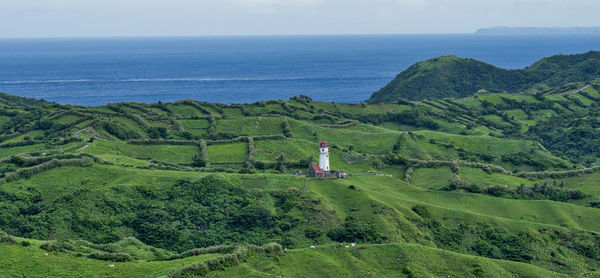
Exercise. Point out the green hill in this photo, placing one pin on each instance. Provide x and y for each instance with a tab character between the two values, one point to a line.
454	77
491	185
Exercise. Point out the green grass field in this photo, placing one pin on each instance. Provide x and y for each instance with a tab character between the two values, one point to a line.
228	153
457	214
166	153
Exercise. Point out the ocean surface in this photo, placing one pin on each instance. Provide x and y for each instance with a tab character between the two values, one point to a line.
245	69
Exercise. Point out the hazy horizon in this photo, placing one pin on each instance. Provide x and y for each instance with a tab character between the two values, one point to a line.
186	18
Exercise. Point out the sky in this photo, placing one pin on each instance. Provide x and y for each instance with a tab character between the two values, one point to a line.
102	18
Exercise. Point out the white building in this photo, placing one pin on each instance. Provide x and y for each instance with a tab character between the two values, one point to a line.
324	157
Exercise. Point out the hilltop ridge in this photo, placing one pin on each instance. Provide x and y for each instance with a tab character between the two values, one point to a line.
455	77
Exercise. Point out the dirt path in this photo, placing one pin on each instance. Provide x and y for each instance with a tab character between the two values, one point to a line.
576	91
85	147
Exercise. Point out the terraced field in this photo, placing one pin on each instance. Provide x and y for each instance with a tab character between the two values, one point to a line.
493	185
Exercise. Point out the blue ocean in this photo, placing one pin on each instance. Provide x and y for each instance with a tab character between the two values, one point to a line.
344	69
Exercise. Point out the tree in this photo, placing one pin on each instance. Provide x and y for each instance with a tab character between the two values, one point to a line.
281	164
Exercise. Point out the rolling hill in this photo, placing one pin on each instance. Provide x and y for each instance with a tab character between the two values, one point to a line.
454	77
492	185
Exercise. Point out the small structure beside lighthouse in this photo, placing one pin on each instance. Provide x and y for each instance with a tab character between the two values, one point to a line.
324	156
322	170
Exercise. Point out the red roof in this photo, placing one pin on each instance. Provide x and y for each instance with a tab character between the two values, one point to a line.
317	169
323	144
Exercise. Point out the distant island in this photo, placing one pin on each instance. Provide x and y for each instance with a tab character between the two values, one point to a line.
503	30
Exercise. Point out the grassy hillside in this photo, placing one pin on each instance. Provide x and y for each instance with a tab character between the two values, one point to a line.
491	185
333	260
389	260
451	76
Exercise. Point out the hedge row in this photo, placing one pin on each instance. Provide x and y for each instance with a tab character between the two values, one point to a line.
20	143
23	173
197	106
63	141
71	112
287	129
10	136
216	106
558	174
99	112
251	150
136	118
80	120
240	254
417	163
207	142
204	151
167	166
344	124
408	173
107	256
162	165
244	110
177	125
137	106
190	117
162	107
396	159
10	113
203	251
163	142
269	137
27	161
245	138
116	108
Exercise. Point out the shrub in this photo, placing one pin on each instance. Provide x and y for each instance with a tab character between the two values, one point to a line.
253	216
106	256
206	250
313	233
157	132
120	131
354	230
6	238
287	130
422	211
58	246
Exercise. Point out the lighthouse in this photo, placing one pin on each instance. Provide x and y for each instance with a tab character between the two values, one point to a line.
324	156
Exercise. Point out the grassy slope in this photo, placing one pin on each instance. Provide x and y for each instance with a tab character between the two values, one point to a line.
451	76
375	193
389	260
20	261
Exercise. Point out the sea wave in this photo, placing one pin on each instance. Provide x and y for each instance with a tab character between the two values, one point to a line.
45	81
182	79
210	79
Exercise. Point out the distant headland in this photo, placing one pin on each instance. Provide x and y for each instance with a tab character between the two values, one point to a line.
503	30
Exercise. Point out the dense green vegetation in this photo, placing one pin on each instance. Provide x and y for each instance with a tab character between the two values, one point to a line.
454	77
492	185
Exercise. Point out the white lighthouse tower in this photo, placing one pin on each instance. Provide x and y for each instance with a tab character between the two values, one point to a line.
324	156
